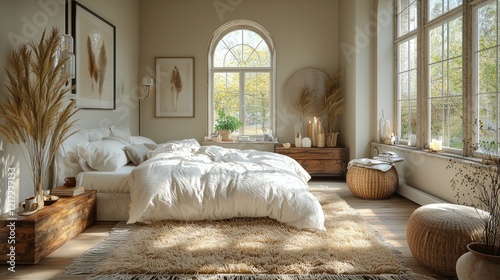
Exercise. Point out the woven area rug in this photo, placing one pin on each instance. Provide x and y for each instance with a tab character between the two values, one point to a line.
247	248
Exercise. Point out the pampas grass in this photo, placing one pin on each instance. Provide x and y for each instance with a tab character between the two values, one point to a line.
333	101
304	101
33	113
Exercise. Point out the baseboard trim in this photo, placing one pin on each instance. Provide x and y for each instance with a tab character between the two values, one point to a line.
417	196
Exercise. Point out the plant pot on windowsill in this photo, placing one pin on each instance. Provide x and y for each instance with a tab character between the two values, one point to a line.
225	134
226	124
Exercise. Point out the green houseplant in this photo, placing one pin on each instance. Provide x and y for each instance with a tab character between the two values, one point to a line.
226	124
34	112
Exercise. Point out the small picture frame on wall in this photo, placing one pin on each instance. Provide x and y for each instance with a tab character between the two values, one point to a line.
95	40
175	87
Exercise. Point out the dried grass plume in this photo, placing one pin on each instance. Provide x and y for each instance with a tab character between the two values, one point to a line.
33	112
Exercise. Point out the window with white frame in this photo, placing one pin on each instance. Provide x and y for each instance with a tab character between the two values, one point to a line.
430	76
241	70
486	91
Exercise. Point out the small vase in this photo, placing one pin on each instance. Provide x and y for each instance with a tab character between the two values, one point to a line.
331	139
476	264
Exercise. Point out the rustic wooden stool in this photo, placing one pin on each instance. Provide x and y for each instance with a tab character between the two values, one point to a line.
372	183
438	234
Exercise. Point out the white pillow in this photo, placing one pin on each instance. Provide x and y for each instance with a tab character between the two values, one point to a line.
120	131
139	140
118	139
96	134
66	160
104	155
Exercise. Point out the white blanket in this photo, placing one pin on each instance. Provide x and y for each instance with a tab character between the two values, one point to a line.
211	182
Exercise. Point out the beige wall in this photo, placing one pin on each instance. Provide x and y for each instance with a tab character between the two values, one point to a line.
305	34
25	20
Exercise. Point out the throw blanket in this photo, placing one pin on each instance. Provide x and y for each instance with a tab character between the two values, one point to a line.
211	182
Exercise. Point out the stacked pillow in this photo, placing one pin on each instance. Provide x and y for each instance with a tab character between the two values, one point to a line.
107	149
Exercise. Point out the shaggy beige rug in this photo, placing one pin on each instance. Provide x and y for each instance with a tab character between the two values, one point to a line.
348	249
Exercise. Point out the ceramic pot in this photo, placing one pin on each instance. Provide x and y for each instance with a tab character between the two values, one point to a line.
225	134
477	264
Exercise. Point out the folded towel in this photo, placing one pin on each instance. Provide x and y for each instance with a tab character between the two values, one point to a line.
370	163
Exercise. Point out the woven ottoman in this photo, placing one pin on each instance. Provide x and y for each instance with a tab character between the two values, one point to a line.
438	234
370	183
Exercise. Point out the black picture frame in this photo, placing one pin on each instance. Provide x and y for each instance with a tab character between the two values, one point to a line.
95	53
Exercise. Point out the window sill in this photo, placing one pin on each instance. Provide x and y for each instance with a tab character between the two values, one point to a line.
244	145
443	155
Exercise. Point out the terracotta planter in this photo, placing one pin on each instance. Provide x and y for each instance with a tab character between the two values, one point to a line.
477	264
225	134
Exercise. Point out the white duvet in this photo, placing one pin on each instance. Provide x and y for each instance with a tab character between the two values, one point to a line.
211	182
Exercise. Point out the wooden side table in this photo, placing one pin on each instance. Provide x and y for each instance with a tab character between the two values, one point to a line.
318	161
38	235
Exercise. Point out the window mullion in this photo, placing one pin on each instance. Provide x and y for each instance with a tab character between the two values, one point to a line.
242	101
422	76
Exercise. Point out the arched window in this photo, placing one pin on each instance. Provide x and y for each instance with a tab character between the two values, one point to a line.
241	67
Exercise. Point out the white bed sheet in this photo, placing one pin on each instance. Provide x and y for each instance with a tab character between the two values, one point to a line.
106	182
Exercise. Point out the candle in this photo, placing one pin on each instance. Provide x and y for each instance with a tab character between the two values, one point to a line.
314	131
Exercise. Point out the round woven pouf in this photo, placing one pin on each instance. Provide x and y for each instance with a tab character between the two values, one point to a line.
371	183
438	234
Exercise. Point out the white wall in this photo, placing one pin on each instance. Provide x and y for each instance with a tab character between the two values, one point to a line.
356	58
305	34
26	19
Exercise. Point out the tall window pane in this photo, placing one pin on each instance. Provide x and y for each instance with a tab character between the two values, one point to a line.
486	50
445	83
407	87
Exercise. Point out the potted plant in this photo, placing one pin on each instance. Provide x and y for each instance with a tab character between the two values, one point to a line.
226	124
477	184
333	102
34	112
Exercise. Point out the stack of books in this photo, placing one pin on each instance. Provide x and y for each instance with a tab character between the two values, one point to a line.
67	191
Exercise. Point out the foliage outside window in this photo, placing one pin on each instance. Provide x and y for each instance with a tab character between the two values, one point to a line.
486	77
430	71
241	71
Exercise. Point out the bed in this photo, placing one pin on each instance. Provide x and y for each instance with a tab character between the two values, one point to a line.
139	181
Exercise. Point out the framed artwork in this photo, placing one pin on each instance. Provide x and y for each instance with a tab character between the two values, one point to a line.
95	59
175	87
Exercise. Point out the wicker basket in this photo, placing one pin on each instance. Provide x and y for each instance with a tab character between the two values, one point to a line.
371	183
438	235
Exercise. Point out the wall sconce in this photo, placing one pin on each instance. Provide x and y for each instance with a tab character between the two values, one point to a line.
147	83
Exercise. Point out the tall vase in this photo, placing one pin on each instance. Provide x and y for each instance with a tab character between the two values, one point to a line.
476	264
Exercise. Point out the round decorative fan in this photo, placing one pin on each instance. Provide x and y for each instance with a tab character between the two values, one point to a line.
305	90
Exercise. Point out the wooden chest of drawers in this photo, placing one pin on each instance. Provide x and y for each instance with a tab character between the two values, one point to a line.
318	161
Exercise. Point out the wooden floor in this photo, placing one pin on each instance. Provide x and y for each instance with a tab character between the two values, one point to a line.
388	216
